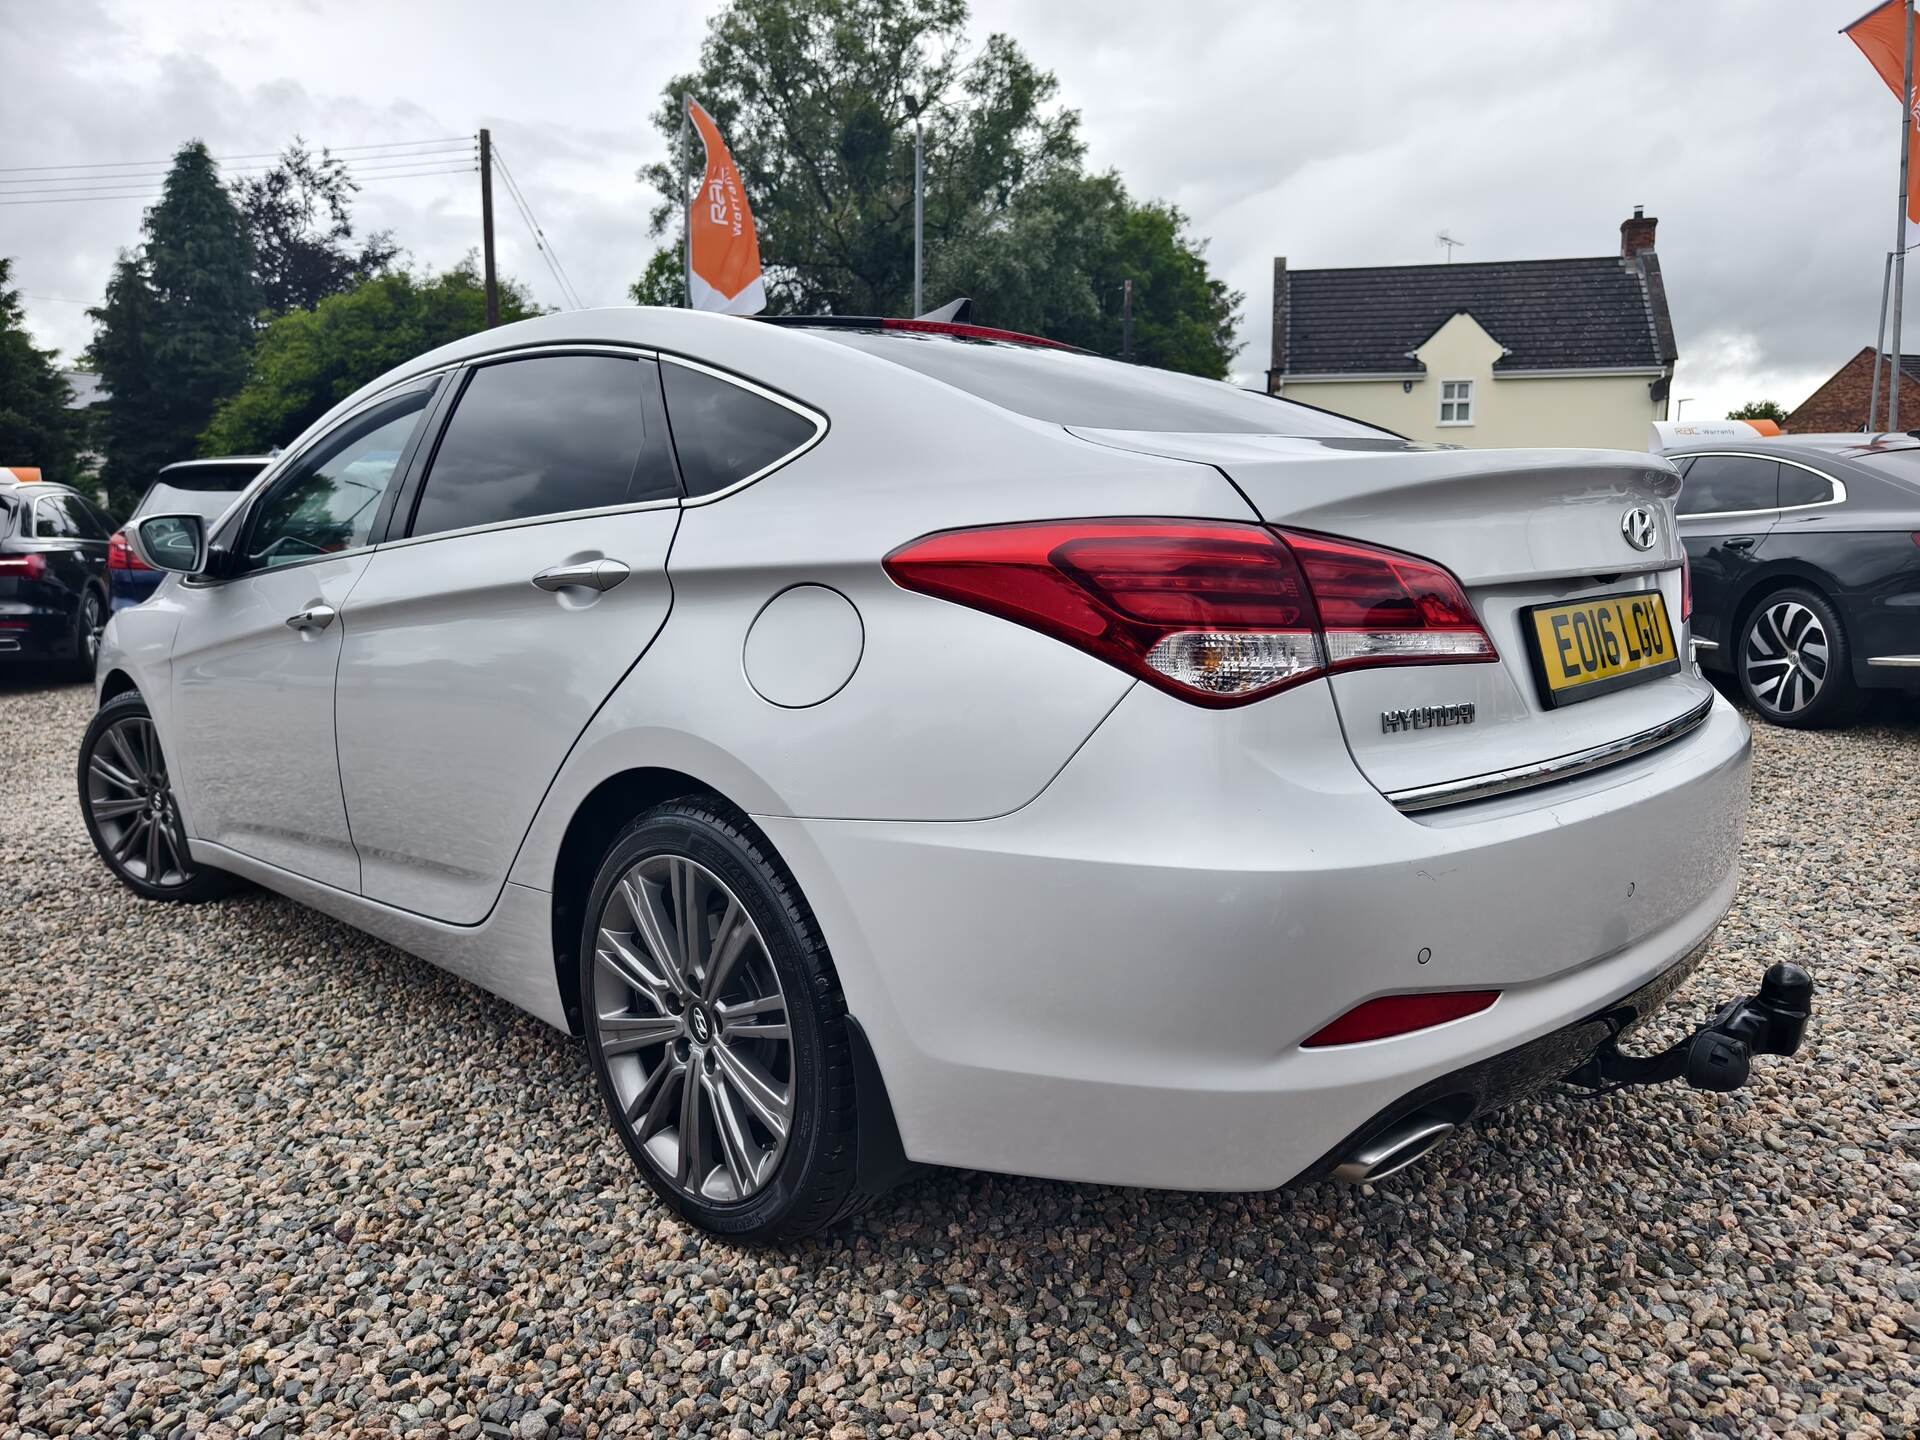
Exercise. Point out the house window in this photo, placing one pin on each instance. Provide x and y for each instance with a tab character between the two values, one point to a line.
1456	402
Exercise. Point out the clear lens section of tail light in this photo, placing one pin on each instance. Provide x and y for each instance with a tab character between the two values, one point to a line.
1234	663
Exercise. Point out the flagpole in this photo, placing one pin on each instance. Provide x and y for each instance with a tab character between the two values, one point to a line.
686	209
1879	347
919	213
1900	237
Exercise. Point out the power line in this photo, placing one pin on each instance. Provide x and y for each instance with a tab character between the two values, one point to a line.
540	241
223	159
369	166
146	192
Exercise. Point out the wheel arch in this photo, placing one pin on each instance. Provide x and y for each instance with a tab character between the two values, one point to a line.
602	814
1781	575
117	683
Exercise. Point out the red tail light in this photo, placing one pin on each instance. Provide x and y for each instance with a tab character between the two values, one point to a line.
1399	1015
1686	586
121	555
1214	612
23	567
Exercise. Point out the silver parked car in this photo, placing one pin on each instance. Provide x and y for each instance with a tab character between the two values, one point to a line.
896	742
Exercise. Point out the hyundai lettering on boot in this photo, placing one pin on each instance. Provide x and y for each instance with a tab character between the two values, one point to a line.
1425	717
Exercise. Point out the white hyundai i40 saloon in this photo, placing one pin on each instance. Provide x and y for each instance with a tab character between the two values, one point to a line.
893	742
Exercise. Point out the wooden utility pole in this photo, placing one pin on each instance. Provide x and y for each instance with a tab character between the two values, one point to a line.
1900	240
486	226
1126	320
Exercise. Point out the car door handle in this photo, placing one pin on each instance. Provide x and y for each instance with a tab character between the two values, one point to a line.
588	575
1739	542
314	617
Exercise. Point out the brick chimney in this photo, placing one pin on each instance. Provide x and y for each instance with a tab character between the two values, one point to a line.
1636	234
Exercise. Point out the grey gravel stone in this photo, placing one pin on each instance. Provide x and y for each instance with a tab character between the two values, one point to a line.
261	1175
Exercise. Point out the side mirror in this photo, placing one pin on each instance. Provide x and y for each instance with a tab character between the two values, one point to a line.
173	542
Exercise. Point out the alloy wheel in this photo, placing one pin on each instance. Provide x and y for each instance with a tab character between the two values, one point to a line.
693	1027
132	804
93	620
1785	657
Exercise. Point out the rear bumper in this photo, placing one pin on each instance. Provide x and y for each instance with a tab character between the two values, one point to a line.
1487	1085
35	634
1111	984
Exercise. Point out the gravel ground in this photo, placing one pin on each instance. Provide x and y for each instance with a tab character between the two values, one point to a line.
261	1175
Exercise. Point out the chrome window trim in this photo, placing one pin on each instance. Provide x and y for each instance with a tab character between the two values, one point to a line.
806	412
669	502
1546	772
38	501
1839	486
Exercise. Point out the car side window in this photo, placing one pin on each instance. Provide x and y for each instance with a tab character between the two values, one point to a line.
327	501
547	435
1803	487
725	433
1718	483
54	520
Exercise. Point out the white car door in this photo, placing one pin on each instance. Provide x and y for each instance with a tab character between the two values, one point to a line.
525	574
254	657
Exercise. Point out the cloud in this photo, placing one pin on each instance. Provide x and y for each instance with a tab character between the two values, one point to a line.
1334	135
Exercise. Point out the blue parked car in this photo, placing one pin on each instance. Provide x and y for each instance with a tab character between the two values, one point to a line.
189	487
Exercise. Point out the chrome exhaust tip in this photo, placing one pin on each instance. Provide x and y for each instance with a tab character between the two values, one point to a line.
1394	1148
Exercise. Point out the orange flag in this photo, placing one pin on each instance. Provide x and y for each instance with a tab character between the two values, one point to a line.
1882	37
725	252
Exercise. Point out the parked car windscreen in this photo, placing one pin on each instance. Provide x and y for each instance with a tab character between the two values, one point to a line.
1901	464
1068	388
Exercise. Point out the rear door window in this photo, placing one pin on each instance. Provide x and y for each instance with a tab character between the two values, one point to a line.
1716	484
548	435
1803	487
725	433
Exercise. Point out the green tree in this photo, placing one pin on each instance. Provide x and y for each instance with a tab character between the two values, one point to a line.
36	427
663	282
129	425
818	100
299	219
1059	265
308	361
1760	410
175	333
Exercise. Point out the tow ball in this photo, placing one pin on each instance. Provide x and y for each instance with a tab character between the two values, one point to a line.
1719	1055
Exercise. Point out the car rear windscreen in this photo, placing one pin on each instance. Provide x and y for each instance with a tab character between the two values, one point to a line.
1065	387
203	490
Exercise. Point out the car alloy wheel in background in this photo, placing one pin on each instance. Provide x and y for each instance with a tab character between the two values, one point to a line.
717	1028
92	621
1793	661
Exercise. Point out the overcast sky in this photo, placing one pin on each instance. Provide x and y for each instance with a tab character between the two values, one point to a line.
1333	133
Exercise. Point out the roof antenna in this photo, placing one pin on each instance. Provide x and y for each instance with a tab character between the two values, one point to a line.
1448	241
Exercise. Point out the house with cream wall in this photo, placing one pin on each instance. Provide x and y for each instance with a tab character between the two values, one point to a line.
1512	352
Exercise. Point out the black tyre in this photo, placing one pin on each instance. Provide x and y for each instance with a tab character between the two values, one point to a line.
88	621
1794	663
717	1027
130	810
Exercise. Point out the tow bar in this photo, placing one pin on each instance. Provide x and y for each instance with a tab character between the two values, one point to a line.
1719	1054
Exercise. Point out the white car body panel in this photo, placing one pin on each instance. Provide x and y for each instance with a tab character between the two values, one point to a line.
1083	924
462	687
251	723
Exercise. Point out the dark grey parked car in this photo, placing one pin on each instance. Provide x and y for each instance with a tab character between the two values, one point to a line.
1805	552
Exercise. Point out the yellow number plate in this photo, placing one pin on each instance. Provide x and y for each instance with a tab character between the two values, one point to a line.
1592	647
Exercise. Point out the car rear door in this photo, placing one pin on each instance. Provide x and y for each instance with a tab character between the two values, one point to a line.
1728	503
250	734
524	575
